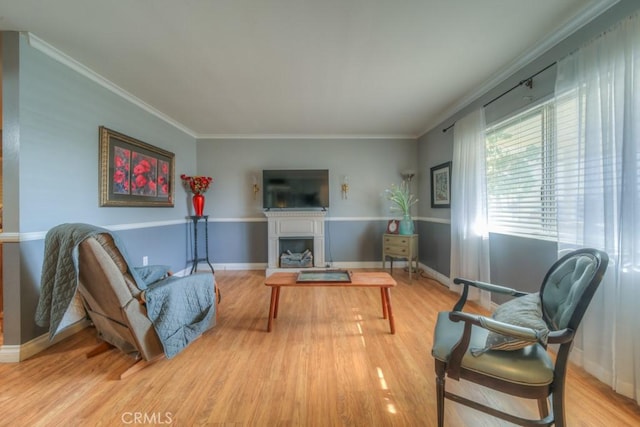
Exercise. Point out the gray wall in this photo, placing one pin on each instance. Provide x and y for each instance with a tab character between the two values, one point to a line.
372	165
520	263
354	225
51	116
517	262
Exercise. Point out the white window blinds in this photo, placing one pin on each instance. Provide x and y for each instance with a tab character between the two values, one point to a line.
520	174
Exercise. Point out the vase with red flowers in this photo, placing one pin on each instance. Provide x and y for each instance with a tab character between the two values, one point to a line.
198	185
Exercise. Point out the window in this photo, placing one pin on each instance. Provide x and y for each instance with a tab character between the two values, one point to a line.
520	174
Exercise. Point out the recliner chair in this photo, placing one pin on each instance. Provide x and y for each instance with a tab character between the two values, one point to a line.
513	358
117	306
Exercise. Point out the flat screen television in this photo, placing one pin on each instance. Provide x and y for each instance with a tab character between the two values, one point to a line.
295	189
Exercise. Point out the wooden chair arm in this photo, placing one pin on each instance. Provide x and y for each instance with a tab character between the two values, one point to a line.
561	337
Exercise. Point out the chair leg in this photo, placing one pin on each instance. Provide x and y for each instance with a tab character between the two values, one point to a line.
440	380
99	349
139	365
217	303
557	405
543	407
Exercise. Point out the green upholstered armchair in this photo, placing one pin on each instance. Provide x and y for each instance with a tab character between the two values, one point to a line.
508	352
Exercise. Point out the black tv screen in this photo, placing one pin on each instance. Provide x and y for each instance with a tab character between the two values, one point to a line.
295	189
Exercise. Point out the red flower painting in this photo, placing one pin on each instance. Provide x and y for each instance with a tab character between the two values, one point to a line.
134	173
121	163
144	176
163	178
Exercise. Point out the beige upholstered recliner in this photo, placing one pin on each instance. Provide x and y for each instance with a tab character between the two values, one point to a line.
117	306
508	352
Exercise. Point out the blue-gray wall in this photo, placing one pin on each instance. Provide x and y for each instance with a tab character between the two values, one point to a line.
353	225
517	262
51	116
371	164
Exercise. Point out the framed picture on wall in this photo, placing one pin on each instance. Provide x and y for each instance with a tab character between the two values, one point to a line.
134	173
441	186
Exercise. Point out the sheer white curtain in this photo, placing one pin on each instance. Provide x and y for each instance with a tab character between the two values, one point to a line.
469	234
598	193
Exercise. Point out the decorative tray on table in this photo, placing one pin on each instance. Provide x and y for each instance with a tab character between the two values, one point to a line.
324	276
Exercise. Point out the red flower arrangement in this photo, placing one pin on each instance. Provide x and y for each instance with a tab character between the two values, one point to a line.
197	184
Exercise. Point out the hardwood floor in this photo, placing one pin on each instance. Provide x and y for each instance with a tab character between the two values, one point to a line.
329	361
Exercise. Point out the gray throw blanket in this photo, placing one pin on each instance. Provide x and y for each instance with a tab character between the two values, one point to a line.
59	278
179	313
181	309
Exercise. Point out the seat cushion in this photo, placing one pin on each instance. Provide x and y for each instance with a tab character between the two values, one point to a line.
530	365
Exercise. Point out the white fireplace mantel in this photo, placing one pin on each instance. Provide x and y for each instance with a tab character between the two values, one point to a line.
292	224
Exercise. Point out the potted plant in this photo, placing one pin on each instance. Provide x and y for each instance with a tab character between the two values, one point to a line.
402	202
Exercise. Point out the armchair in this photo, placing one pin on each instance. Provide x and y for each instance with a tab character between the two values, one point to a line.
142	311
508	352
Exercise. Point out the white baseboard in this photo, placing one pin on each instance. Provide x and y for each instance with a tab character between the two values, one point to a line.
238	266
18	353
436	275
9	353
363	264
263	266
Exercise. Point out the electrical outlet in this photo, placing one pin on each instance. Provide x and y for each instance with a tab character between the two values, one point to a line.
145	261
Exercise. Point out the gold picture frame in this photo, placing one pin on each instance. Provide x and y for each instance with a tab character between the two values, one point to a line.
134	173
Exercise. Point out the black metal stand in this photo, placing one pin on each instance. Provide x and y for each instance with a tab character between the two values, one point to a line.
196	260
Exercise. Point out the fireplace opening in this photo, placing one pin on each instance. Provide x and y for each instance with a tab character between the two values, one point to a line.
296	252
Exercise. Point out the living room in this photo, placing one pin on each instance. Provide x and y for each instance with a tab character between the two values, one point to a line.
53	107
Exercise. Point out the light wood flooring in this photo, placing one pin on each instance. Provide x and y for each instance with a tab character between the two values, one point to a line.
329	361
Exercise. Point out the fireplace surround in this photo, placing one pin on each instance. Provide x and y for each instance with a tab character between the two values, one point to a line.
294	224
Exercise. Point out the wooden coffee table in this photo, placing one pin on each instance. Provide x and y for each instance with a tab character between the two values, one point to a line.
380	280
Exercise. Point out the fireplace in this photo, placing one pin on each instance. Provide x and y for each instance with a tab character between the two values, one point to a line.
296	245
303	229
296	252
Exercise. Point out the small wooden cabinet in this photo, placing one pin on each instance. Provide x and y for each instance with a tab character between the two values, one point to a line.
400	246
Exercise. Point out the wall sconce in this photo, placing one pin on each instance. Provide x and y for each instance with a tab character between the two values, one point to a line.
345	186
407	175
256	189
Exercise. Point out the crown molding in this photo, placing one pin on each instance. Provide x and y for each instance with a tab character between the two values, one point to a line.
578	21
44	47
302	136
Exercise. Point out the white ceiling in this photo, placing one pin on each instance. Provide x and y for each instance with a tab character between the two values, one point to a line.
245	68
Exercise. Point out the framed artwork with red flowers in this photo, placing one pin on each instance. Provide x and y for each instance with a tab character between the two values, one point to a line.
134	173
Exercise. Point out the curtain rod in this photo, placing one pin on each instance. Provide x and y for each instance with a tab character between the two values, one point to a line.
528	82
